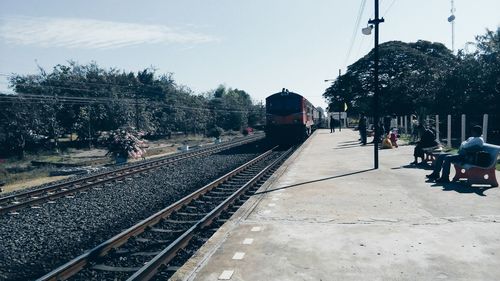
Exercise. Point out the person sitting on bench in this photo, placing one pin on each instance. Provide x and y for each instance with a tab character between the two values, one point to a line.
465	153
427	139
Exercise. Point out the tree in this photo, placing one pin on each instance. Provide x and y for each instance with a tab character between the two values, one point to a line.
88	99
410	75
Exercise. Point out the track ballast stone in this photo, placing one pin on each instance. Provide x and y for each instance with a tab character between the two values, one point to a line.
37	241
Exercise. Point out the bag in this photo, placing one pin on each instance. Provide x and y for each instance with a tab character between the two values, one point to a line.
483	159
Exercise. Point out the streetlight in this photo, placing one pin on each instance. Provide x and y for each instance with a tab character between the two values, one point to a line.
340	119
367	31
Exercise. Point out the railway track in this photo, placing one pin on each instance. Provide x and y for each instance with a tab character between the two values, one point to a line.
155	246
11	203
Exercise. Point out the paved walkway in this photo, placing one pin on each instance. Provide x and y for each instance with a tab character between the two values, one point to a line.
327	215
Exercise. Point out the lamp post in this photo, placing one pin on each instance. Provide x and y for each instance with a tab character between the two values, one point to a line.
375	22
328	80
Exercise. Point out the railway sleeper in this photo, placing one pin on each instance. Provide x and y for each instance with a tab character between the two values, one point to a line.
172	221
216	192
147	254
163	230
229	186
191	208
190	214
226	189
213	197
103	267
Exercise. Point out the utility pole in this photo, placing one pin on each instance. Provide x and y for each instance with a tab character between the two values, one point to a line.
136	111
90	136
376	139
451	19
340	106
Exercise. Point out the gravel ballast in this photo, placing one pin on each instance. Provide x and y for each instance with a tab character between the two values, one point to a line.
37	241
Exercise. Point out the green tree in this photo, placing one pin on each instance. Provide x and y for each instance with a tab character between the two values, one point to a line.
411	75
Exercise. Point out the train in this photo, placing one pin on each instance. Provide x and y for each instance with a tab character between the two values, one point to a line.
290	117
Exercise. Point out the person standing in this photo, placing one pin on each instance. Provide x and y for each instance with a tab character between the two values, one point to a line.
362	128
332	124
387	124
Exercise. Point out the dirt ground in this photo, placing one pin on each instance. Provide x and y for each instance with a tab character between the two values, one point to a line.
87	157
30	183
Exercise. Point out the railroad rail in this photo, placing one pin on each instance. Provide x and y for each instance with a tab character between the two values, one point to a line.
139	252
11	203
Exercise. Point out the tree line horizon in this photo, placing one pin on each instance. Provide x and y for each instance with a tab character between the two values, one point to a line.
421	77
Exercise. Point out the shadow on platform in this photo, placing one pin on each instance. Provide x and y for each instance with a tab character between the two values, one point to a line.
354	145
318	180
414	166
462	188
351	142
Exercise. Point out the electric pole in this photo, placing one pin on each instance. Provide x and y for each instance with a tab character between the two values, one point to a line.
340	106
376	139
136	111
451	19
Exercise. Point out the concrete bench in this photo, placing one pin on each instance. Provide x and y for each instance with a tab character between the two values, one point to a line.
476	174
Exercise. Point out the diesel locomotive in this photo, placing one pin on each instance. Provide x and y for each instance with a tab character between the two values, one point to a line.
289	117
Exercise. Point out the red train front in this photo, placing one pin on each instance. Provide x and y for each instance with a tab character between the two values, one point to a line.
289	117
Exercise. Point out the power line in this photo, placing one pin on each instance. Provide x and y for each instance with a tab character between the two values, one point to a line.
40	99
140	84
389	7
52	87
87	83
355	32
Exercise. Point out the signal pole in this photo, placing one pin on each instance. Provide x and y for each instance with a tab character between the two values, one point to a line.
376	139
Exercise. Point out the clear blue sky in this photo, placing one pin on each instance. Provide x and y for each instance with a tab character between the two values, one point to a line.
259	46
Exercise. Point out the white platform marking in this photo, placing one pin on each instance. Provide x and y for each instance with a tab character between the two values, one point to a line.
255	228
275	199
271	204
266	211
238	256
226	275
248	241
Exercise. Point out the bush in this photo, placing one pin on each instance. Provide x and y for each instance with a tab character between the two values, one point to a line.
215	132
123	144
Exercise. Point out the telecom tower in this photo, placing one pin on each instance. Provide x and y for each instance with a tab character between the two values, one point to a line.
451	19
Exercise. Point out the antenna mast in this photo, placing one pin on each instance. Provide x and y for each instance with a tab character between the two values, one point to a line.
451	19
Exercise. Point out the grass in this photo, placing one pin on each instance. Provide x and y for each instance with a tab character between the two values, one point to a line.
15	172
24	176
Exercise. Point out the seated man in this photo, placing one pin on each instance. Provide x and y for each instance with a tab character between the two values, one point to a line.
465	152
427	139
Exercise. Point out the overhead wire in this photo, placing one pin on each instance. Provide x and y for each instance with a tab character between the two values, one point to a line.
39	99
355	31
363	43
140	84
389	7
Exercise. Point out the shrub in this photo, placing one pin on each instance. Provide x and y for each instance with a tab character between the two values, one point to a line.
215	132
121	143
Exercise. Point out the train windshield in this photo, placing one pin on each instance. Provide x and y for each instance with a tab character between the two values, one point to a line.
282	105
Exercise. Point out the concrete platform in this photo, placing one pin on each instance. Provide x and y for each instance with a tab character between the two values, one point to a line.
327	215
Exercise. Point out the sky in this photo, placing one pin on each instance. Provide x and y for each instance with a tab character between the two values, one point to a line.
259	46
